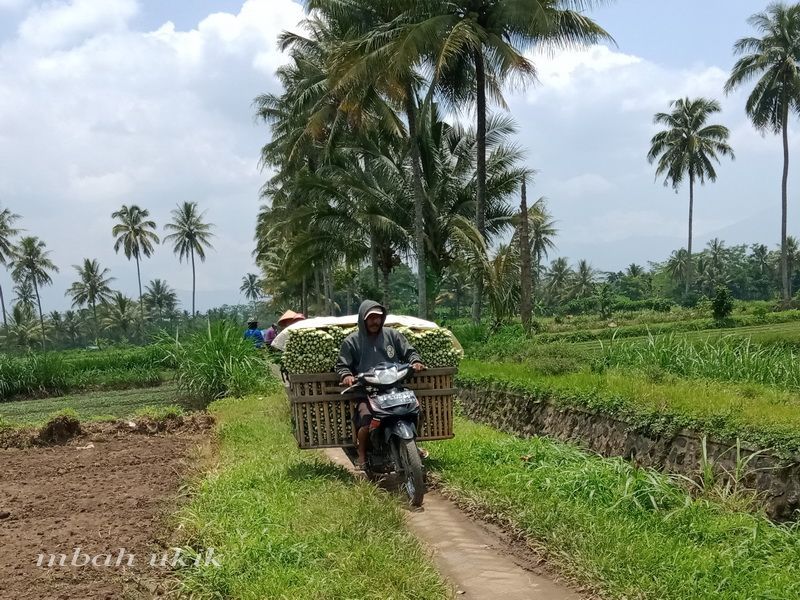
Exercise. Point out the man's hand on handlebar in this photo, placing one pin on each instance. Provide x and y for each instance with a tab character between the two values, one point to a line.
348	380
418	366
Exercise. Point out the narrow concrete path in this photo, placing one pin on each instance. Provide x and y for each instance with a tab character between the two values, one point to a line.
475	560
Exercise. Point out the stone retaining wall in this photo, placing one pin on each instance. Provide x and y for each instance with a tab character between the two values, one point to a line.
776	479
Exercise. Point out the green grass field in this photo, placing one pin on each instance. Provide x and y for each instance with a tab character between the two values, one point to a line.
626	532
91	406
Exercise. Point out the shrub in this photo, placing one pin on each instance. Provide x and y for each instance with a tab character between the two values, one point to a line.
722	304
216	362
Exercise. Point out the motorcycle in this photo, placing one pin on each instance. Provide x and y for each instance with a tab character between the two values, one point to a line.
393	429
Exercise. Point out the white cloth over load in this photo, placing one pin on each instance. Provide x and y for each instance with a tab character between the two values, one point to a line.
352	321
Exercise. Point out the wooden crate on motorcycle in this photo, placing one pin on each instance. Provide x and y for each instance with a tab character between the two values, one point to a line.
322	416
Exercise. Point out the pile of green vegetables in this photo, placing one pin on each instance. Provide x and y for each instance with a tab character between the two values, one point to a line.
316	350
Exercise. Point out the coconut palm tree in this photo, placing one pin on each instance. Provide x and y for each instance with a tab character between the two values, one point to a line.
23	330
688	148
92	287
543	233
634	270
482	43
135	234
251	288
25	296
677	267
7	232
774	60
31	262
160	298
191	236
73	326
584	281
120	315
503	281
558	277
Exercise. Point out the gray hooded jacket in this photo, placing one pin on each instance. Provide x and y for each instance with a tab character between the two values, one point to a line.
361	351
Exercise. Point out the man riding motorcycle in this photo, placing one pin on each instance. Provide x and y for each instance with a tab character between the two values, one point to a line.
371	345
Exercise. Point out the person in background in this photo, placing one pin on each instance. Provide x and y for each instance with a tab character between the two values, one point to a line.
269	334
254	333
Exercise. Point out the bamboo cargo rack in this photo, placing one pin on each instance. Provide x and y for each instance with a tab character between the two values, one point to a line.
322	416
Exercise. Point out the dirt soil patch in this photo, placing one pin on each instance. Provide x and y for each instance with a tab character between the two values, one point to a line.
101	491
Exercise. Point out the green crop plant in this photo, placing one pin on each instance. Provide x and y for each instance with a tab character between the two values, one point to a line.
316	350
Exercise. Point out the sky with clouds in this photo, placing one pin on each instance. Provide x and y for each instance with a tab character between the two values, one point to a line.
105	102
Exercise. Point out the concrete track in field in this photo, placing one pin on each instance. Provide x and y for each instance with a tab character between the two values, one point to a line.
474	557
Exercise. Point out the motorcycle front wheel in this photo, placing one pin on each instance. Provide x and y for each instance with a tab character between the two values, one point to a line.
412	471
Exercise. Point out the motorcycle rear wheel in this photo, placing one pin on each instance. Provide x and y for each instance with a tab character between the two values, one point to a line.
412	470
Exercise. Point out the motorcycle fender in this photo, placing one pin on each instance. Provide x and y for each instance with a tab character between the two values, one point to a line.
402	429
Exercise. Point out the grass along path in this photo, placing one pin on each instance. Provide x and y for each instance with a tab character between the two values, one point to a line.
92	406
779	333
289	524
626	532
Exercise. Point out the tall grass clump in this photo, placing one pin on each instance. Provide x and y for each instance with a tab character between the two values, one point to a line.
215	363
727	359
32	375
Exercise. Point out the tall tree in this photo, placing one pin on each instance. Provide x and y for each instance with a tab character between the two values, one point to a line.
559	276
191	236
677	267
584	282
7	232
688	148
482	44
251	288
135	234
32	263
24	296
160	298
120	315
91	287
774	60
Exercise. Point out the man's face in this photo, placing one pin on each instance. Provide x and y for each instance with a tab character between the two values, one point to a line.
374	324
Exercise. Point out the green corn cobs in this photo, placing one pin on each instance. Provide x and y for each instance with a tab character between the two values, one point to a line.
316	350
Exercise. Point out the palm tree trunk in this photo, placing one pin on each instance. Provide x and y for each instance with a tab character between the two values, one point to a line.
3	305
39	304
317	290
139	279
688	282
193	282
141	304
96	324
326	286
374	255
480	204
385	300
525	261
419	205
784	206
304	297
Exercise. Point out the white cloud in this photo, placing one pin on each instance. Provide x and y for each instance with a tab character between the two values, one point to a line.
102	115
56	24
599	74
583	185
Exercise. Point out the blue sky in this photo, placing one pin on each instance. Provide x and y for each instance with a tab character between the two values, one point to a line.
104	102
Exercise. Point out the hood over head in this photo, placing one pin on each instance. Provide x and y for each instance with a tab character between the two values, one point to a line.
366	307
